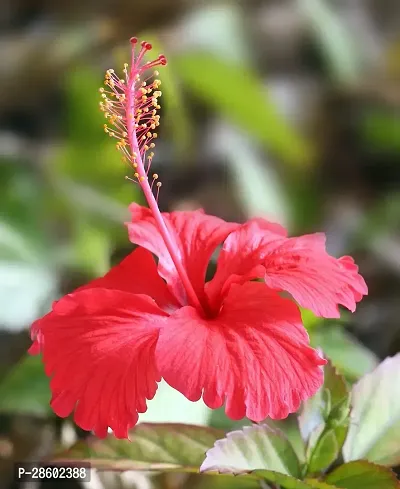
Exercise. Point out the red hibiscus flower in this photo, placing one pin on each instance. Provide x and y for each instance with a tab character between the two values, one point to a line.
233	340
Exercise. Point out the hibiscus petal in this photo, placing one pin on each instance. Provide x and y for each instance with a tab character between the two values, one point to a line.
196	235
316	280
255	355
98	347
241	255
300	266
137	274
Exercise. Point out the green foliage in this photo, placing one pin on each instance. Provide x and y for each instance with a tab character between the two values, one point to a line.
25	390
28	281
346	352
374	432
324	421
362	474
232	91
165	447
380	130
254	447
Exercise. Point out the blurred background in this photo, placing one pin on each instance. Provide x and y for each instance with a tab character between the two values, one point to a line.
286	109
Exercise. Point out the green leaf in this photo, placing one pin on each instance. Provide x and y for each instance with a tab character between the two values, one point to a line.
253	447
164	447
317	484
324	453
363	475
25	390
374	432
336	41
209	481
324	421
330	404
290	428
309	319
284	481
233	92
345	351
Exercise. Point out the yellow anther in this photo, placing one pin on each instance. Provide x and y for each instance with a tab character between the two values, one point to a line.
142	178
155	176
152	145
145	147
101	90
158	184
148	134
136	175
